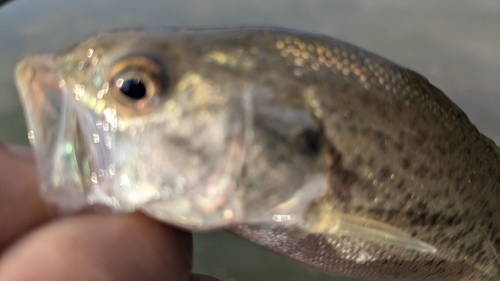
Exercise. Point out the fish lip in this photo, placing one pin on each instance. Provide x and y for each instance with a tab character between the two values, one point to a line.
25	74
51	125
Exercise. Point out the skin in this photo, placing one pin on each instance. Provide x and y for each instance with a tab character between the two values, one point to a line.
33	246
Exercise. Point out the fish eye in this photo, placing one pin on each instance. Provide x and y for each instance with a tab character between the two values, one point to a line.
132	88
138	82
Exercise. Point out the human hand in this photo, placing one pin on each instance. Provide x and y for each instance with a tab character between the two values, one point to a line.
82	247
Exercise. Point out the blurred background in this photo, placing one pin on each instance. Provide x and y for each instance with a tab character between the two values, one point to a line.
454	43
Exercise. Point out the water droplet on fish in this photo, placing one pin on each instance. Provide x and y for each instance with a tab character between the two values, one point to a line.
31	137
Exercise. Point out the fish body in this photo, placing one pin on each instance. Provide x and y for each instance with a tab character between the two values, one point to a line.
314	148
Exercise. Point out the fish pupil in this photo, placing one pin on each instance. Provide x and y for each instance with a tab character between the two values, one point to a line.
133	88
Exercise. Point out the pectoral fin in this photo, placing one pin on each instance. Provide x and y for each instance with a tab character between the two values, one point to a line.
336	223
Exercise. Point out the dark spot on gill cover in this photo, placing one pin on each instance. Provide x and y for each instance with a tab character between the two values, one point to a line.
340	179
310	142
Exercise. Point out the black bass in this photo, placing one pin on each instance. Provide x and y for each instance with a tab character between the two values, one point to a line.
316	149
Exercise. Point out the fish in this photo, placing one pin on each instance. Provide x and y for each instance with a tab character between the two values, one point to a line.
325	153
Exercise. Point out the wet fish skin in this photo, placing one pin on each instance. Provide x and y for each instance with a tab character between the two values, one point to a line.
393	147
400	151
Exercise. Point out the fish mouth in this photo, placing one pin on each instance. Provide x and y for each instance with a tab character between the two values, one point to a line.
54	132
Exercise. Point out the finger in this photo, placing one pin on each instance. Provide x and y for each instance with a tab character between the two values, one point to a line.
21	206
100	247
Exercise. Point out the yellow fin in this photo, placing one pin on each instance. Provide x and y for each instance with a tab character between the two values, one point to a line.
337	223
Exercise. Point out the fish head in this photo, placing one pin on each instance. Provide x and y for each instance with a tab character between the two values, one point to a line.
141	120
